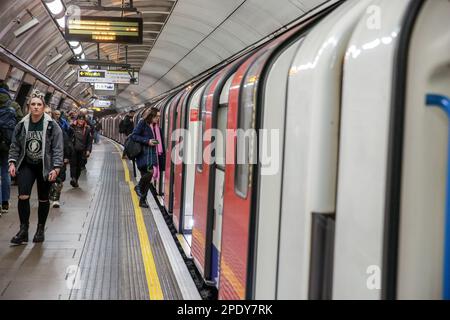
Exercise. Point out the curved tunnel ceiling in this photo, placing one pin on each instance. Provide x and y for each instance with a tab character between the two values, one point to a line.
181	39
202	33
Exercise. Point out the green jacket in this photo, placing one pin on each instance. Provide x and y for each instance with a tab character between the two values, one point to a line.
4	97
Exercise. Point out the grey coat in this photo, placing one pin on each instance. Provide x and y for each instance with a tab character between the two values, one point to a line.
52	145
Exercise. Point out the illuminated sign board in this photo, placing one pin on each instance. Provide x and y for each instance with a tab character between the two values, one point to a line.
102	103
104	86
104	29
106	76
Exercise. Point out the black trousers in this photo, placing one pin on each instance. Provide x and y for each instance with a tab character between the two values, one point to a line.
26	176
76	162
145	181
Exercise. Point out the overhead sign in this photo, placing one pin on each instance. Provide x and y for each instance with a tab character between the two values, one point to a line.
104	29
107	76
104	86
102	103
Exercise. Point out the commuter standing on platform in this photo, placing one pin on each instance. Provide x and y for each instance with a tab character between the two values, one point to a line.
147	160
36	154
126	126
10	114
98	130
82	148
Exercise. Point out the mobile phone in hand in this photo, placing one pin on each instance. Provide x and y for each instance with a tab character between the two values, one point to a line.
154	141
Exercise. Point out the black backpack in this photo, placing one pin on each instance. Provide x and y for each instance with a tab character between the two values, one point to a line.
8	122
122	126
132	148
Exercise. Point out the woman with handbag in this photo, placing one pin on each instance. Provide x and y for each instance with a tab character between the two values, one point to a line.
147	160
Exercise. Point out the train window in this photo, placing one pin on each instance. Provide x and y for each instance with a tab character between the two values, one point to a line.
201	126
246	147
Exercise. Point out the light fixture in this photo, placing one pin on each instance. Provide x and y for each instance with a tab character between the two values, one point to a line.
27	26
61	22
69	74
78	50
55	7
83	56
74	44
84	67
55	58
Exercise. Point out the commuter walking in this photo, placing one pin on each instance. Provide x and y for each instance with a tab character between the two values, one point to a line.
10	114
36	154
82	148
57	186
147	160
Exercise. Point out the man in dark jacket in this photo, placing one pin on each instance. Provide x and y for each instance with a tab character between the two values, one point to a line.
126	126
7	102
82	148
128	123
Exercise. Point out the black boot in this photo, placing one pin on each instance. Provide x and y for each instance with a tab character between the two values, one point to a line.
143	202
137	189
39	236
21	236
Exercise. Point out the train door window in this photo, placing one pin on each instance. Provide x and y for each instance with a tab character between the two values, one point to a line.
202	125
246	135
222	125
166	122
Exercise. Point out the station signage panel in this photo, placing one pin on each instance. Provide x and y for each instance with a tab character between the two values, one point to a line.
102	103
104	86
107	76
104	29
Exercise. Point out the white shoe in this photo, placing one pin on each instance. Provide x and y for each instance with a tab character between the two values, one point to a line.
56	204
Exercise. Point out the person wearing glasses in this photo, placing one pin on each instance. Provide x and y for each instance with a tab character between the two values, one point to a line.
36	155
148	133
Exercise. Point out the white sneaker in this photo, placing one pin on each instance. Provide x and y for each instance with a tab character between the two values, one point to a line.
56	204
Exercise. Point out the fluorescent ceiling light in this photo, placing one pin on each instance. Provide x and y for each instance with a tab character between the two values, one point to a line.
78	50
83	56
61	22
55	7
69	74
27	26
54	59
74	44
84	67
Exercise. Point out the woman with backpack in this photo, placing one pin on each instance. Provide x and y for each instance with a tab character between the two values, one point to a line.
36	154
148	134
82	148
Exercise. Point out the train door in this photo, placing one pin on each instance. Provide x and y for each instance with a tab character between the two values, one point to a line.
308	203
269	190
423	257
220	161
367	209
190	153
168	174
178	214
238	226
203	196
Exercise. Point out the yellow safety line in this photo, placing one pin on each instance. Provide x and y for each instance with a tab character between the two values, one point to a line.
153	283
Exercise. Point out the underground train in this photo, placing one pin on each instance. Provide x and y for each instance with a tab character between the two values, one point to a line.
349	111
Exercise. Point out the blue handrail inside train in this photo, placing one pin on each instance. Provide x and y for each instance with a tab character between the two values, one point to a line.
443	102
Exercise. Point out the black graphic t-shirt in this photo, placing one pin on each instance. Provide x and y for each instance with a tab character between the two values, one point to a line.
34	142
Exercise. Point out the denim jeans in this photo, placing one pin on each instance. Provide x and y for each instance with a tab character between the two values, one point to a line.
5	178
